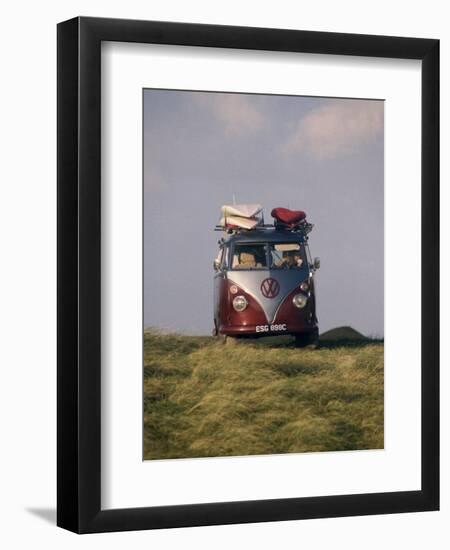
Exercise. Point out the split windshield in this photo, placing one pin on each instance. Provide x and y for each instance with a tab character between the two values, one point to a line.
286	255
268	256
249	256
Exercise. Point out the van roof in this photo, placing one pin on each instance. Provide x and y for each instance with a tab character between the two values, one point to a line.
266	235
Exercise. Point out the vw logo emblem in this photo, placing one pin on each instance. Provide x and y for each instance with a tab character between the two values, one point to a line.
270	288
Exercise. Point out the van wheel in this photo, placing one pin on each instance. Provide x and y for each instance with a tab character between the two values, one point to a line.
221	338
307	340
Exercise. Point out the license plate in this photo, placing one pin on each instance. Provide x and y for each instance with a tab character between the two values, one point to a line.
271	328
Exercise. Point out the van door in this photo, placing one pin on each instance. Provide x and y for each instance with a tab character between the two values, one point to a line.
219	281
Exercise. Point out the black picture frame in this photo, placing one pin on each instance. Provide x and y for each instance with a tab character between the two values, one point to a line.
79	276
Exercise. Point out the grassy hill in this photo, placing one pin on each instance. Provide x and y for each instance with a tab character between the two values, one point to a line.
204	398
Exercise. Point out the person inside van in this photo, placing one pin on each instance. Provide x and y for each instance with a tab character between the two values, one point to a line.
249	257
290	258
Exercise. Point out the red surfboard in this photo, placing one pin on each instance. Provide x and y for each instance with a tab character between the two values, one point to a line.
288	217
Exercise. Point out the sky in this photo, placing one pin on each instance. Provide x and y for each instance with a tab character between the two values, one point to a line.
321	155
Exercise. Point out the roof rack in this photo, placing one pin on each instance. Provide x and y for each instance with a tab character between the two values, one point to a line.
231	229
302	229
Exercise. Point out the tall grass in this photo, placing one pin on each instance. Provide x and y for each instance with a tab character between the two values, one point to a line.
203	398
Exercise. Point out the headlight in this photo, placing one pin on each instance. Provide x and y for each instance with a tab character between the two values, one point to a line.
304	286
240	303
299	300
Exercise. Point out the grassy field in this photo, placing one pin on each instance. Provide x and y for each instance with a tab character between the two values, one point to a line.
203	398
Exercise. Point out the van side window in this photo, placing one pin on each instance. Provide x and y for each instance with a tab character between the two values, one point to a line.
219	257
224	264
249	256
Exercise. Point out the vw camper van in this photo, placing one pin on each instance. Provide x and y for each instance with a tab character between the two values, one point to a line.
264	276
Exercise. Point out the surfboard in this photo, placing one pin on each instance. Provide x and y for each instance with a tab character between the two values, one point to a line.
288	217
239	221
241	210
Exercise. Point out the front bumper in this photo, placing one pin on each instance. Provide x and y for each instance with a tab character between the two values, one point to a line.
274	329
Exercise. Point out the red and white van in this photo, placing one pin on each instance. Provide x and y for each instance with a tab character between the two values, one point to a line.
264	279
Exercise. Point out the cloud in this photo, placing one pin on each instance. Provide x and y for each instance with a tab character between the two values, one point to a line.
237	113
336	129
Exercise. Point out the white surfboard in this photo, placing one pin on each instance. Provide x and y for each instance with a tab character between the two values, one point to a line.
241	210
239	221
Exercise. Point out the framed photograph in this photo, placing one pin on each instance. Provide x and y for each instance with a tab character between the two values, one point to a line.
248	275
